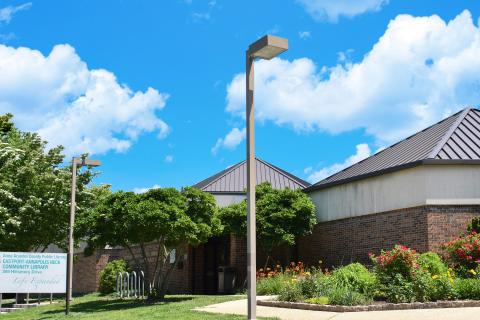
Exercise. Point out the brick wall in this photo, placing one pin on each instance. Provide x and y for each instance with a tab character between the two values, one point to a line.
86	273
238	257
423	228
335	242
447	222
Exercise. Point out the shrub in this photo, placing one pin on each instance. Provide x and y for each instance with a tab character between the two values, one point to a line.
401	277
423	286
311	284
355	277
432	263
442	288
464	254
400	260
468	288
318	300
291	292
399	289
108	276
345	297
272	285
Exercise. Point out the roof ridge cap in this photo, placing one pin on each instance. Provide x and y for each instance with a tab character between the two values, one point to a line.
449	133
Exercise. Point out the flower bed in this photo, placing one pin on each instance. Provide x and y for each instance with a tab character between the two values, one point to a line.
398	278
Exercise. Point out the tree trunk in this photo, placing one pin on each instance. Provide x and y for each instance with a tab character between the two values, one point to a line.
162	284
146	266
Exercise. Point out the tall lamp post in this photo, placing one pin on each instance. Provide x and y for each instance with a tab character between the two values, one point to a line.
267	48
76	163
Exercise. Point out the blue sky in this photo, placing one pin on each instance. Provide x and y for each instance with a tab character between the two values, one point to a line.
154	89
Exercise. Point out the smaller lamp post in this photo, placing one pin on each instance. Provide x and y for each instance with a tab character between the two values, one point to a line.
76	162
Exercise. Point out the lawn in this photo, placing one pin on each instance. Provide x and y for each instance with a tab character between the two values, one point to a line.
95	306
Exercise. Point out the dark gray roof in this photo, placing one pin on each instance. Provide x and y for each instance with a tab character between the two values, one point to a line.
454	139
234	178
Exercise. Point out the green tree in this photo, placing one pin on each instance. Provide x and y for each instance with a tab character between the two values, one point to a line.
282	216
166	218
35	191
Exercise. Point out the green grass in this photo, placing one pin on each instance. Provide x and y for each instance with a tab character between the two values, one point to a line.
95	306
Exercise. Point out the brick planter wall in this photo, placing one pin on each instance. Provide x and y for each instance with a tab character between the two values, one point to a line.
348	240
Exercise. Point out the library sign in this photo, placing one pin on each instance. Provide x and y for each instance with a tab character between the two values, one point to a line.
29	272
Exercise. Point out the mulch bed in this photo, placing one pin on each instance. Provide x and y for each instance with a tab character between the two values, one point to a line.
383	306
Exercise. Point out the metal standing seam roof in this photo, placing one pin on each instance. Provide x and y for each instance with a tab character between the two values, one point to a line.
454	139
234	178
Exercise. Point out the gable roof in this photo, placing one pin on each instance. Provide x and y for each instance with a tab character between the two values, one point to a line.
234	178
454	139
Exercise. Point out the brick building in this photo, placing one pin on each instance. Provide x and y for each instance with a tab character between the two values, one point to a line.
420	192
198	272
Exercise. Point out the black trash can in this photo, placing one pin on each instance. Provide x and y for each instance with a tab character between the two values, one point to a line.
226	279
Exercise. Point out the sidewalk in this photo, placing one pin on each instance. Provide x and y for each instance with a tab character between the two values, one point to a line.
240	307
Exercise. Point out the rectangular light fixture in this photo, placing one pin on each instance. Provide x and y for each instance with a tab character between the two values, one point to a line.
268	47
87	162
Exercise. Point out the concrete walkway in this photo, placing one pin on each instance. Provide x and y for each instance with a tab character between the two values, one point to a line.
240	307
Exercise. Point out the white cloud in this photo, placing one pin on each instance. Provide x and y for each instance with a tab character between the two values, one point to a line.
86	110
307	170
199	16
7	13
169	158
331	10
143	190
419	71
304	34
363	151
231	140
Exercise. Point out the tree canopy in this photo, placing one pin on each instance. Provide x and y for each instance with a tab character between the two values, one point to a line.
281	215
167	218
35	191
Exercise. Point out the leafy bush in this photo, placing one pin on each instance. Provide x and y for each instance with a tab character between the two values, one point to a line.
355	277
291	292
318	300
400	260
345	297
464	254
468	288
399	289
273	281
442	288
432	263
272	285
312	284
108	276
401	276
423	286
